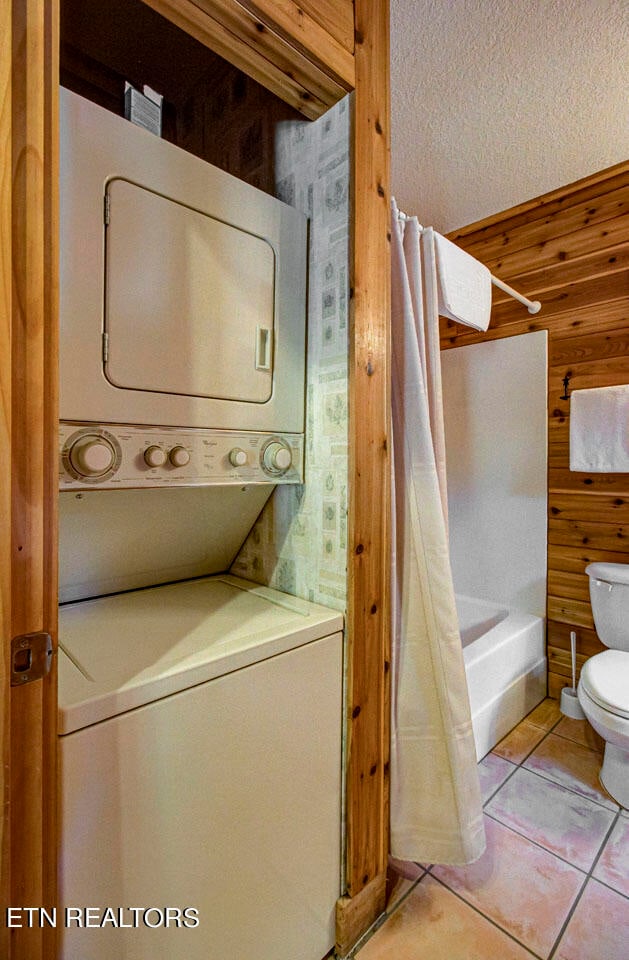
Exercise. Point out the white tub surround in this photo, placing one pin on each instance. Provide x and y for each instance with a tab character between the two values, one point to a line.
495	412
505	665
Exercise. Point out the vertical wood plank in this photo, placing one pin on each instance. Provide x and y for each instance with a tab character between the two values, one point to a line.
27	456
51	453
32	454
368	613
6	248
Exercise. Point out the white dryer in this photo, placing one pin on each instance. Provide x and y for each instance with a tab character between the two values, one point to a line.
240	686
183	289
182	315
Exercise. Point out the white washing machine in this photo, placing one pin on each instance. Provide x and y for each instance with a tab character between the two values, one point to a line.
240	685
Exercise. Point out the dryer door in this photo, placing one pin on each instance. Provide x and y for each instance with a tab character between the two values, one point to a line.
189	300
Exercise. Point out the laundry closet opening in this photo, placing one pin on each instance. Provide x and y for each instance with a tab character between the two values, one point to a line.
203	495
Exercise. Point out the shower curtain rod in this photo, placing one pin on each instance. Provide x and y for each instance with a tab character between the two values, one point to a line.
533	306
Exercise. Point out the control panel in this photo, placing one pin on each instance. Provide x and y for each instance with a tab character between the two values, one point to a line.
120	456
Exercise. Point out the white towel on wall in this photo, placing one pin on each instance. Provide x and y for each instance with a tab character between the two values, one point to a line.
599	430
464	285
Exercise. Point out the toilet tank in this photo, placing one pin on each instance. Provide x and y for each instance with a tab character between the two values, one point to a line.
609	593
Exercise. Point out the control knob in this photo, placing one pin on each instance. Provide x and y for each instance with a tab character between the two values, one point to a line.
276	458
179	456
92	456
237	457
155	456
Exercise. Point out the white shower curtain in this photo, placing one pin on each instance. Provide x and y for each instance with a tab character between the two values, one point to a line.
436	812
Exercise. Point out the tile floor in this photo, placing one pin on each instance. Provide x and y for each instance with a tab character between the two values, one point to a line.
553	882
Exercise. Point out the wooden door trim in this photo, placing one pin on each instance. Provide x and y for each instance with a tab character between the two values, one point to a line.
305	33
336	16
28	372
368	619
6	393
264	53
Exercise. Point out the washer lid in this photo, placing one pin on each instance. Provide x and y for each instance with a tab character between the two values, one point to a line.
605	677
126	650
609	572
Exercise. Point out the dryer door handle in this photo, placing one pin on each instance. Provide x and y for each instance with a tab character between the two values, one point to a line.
264	348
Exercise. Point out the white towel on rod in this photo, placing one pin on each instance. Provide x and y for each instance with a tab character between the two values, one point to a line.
464	285
599	430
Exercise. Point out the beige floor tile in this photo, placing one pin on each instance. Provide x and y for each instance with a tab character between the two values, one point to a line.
397	888
546	714
401	875
572	765
434	924
492	772
557	819
527	891
517	744
613	866
599	928
524	889
581	732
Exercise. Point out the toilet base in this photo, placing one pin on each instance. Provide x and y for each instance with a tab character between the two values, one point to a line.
614	773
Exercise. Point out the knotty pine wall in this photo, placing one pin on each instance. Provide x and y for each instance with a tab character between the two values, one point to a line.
211	108
570	250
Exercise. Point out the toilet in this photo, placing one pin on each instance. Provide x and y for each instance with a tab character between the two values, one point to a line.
603	689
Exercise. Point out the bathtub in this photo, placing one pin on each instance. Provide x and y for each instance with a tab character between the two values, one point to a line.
505	664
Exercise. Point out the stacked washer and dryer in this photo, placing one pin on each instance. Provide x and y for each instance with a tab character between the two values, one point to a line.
199	714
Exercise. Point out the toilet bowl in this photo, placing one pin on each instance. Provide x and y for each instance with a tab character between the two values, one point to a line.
603	689
601	677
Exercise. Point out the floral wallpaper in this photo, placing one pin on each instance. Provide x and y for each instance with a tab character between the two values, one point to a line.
299	542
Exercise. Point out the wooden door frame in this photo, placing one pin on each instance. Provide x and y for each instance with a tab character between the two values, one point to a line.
28	446
368	616
28	442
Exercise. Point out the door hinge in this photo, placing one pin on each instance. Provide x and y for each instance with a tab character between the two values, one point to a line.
105	347
31	657
106	208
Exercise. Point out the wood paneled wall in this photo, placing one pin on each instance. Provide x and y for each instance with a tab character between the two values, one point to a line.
570	250
211	108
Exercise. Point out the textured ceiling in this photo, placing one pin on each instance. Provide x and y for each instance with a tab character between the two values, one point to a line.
497	101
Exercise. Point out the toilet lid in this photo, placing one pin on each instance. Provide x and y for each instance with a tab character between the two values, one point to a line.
605	677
